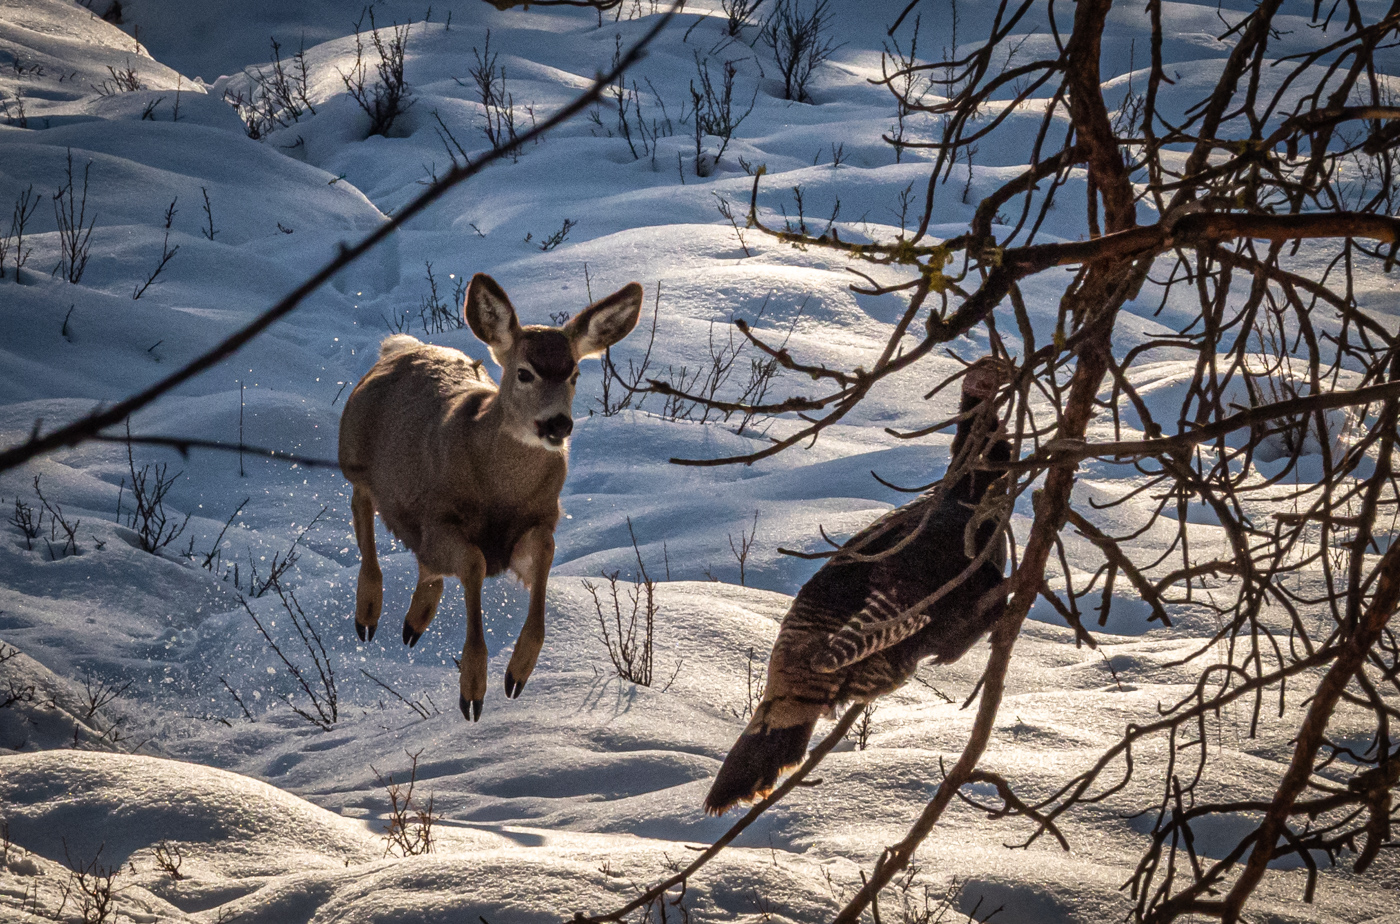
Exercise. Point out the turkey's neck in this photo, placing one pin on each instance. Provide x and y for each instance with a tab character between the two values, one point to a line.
972	485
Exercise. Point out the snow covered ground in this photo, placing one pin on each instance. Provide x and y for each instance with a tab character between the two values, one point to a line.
588	786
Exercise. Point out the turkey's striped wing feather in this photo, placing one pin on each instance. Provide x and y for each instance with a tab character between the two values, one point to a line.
880	624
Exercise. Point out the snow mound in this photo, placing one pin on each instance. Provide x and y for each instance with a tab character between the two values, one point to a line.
74	803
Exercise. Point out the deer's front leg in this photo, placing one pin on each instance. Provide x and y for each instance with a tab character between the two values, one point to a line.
369	591
530	559
423	607
472	682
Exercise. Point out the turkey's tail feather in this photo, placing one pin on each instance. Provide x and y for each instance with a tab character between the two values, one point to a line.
763	751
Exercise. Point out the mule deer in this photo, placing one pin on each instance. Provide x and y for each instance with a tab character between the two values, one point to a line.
466	473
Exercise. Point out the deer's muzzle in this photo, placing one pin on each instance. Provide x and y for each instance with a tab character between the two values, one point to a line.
556	429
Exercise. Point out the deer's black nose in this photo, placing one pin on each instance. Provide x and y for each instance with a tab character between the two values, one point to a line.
556	429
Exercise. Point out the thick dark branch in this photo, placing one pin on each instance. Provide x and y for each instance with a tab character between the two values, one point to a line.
787	405
1061	450
183	445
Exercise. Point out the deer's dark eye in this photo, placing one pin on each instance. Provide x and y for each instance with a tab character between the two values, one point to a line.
525	376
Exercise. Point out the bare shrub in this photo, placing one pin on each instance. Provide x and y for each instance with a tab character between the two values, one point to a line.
91	887
16	692
169	858
800	43
279	95
74	228
619	390
695	393
552	241
154	527
98	694
24	210
214	558
712	112
737	14
410	827
281	563
860	732
389	95
911	86
237	699
29	522
321	694
727	212
754	668
496	101
208	231
632	124
435	314
121	81
741	551
58	523
417	705
628	630
167	253
15	116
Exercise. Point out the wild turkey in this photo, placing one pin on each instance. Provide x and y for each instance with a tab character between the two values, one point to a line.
843	640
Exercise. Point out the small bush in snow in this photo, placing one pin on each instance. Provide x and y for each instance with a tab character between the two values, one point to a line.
386	98
754	668
741	551
167	253
628	630
74	228
58	524
169	858
619	390
91	889
321	693
16	692
737	14
24	210
279	96
282	562
632	125
713	112
497	102
154	526
121	81
410	827
27	522
688	391
435	314
860	732
800	42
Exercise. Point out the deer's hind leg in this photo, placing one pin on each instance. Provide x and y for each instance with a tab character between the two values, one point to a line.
423	607
531	559
472	573
369	590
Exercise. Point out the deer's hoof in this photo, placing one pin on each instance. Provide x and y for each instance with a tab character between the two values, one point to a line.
366	633
410	638
514	687
471	709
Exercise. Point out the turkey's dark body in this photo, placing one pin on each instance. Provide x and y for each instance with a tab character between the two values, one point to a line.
864	592
854	632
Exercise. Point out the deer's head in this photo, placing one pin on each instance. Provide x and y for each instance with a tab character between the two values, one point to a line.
539	364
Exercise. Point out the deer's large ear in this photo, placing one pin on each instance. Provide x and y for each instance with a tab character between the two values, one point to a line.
605	322
491	317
